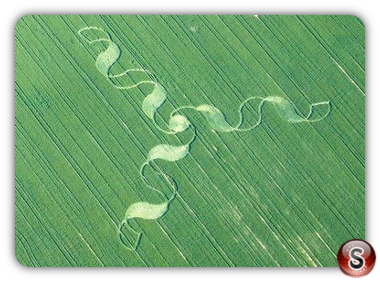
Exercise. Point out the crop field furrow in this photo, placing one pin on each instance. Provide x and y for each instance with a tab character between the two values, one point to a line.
32	261
188	140
42	164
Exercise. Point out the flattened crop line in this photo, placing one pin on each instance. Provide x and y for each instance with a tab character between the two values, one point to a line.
134	87
344	163
347	75
354	153
243	142
232	91
343	114
91	250
135	140
295	84
308	253
220	71
117	118
348	33
324	242
353	150
232	155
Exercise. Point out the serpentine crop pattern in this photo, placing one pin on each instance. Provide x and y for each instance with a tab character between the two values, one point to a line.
178	123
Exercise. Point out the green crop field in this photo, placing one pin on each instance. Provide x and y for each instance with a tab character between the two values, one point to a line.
188	140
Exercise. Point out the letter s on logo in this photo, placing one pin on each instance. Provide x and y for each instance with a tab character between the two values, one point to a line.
356	261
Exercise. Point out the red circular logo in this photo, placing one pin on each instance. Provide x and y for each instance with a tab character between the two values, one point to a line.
356	258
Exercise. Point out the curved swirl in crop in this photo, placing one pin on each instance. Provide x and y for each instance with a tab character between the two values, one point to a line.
178	123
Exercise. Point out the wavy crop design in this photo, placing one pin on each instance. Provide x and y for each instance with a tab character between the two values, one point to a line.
178	123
